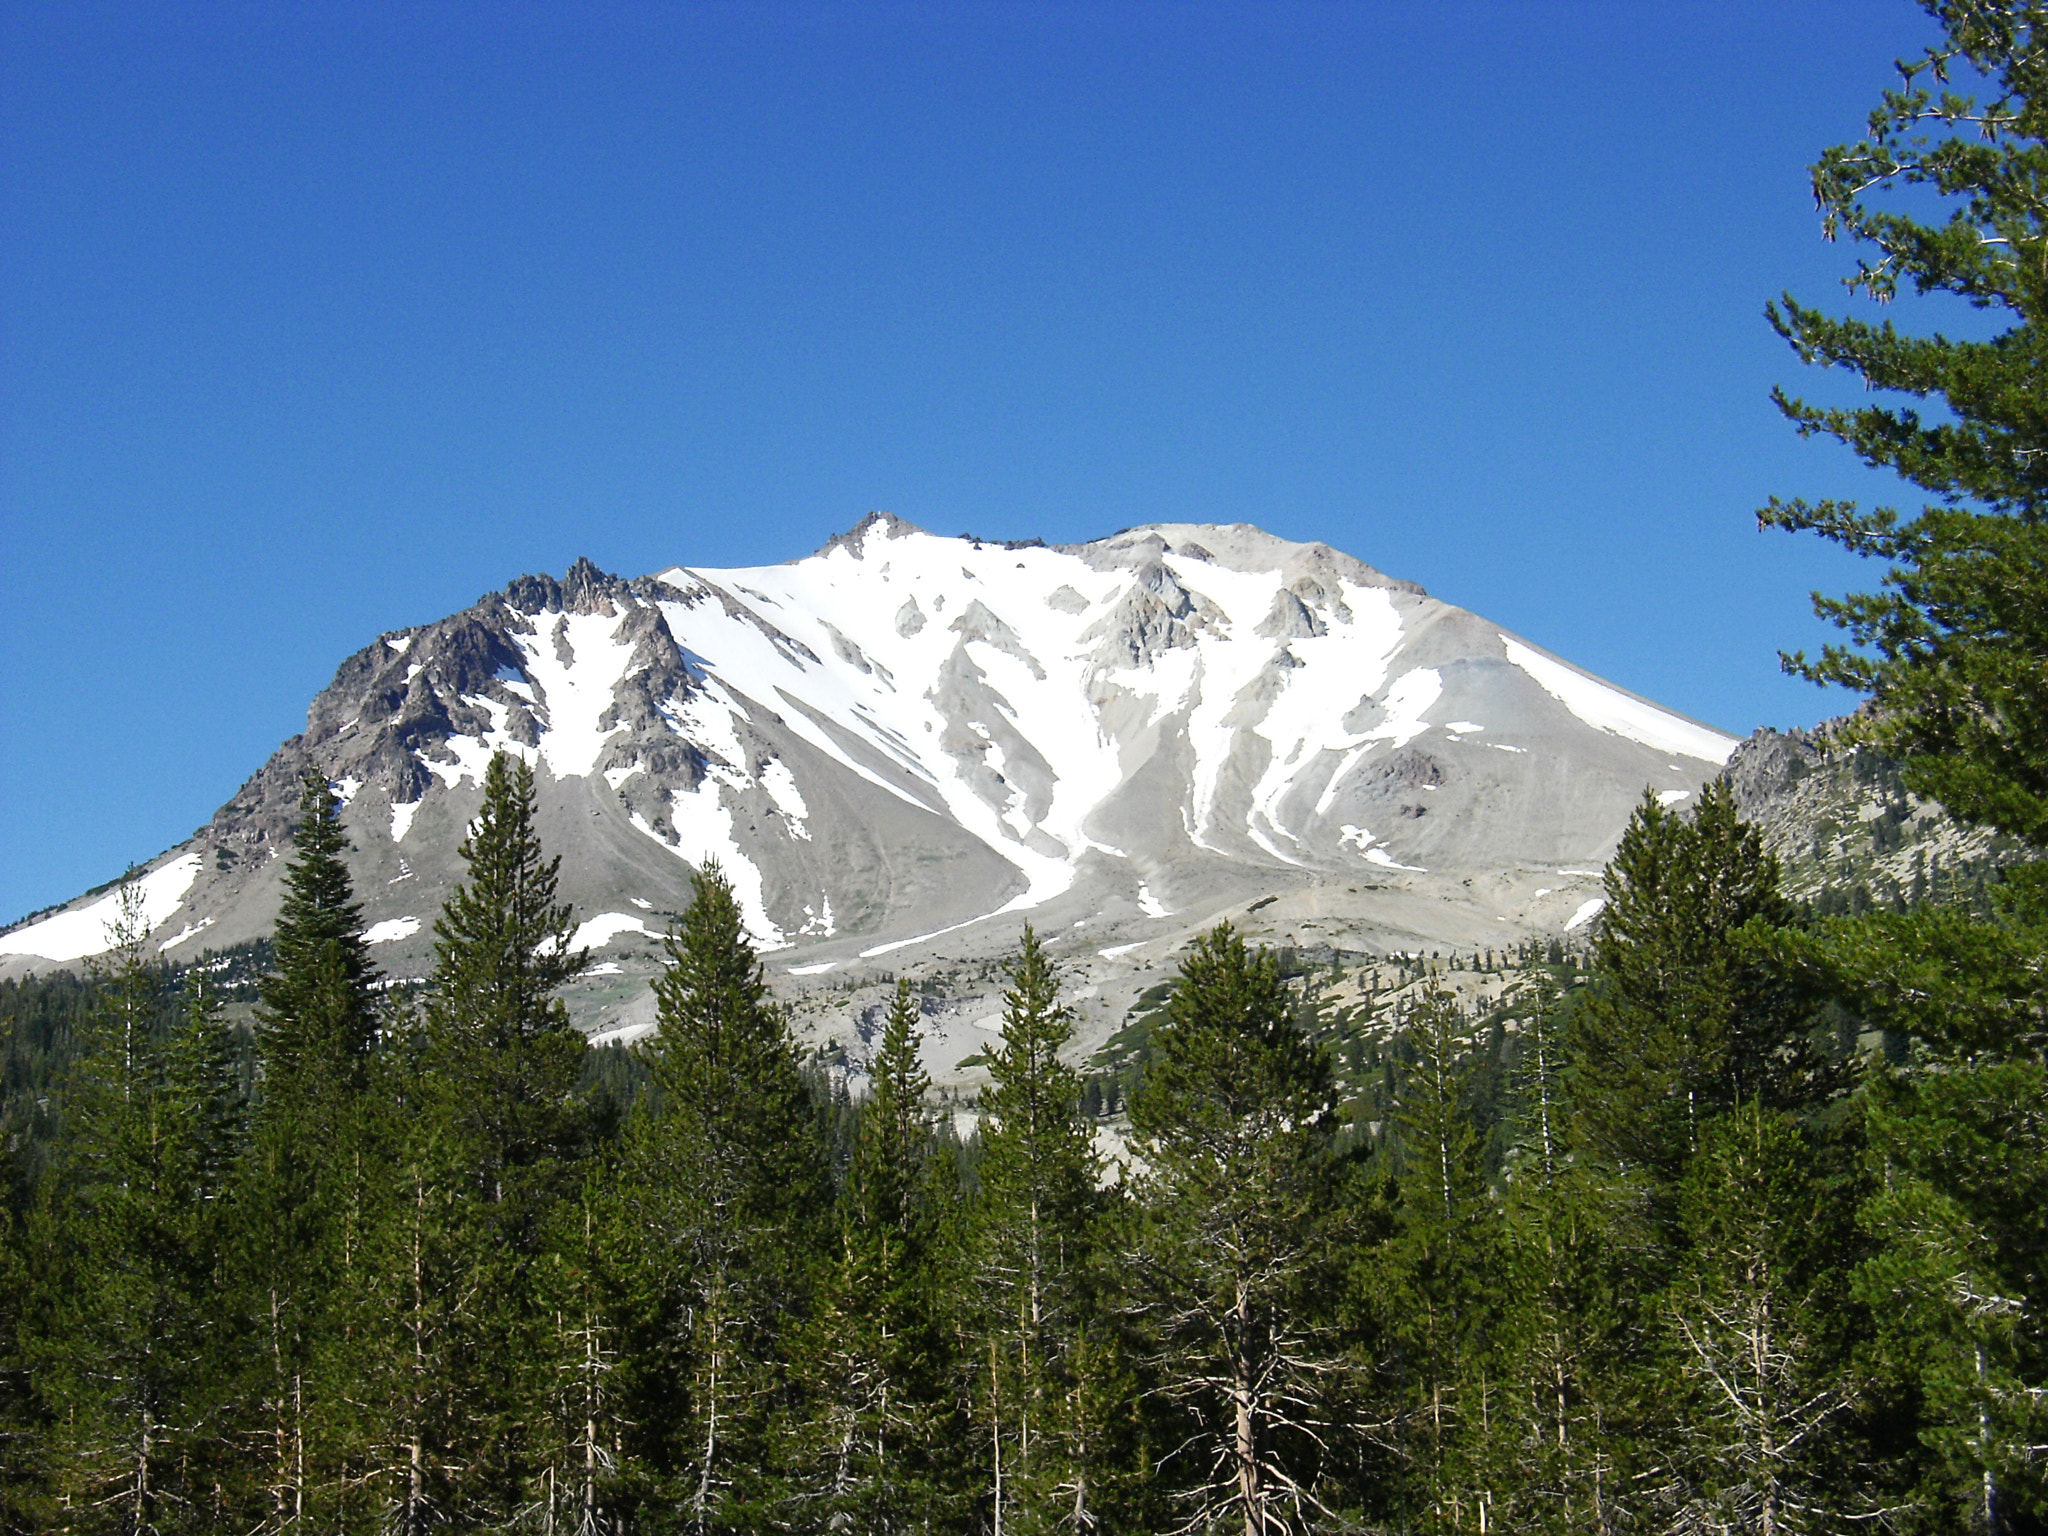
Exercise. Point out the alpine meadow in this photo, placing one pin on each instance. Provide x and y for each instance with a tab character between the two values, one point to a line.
1710	1198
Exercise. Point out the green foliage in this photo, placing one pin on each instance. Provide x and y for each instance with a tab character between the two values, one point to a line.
1033	1228
1760	1392
1954	650
723	1201
1432	1287
1959	1215
1954	654
318	1021
1692	1010
881	1430
1234	1247
504	1051
127	1332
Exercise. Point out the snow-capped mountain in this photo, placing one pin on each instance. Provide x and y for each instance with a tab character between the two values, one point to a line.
905	743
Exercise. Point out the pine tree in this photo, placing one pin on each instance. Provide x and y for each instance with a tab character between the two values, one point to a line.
1233	1252
503	1051
318	1022
724	1196
1761	1391
1438	1282
875	1367
1953	654
130	1339
490	1129
1031	1235
1569	1352
1692	1010
1561	1346
1959	1215
577	1487
1954	651
313	1160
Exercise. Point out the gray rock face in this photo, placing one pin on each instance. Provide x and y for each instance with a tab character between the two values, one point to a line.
903	746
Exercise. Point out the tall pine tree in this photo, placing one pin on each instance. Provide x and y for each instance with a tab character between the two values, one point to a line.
724	1201
490	1132
1691	1010
881	1434
315	1161
130	1335
1236	1128
1033	1225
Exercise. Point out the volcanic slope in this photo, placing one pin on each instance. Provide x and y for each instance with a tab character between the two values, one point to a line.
903	746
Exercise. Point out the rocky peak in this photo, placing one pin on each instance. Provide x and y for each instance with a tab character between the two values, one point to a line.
854	540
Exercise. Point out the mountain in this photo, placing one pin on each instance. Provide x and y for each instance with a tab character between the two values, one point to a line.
903	746
1848	833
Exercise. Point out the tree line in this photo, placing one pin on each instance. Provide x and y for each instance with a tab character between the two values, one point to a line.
1763	1254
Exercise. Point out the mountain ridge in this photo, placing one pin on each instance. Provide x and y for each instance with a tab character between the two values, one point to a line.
895	741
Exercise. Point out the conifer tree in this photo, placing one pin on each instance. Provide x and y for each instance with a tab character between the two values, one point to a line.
1691	1011
313	1161
503	1051
1958	1211
1561	1347
1953	654
1032	1228
879	1435
724	1197
131	1341
1233	1252
489	1130
1568	1355
576	1484
1438	1283
318	1021
1761	1394
1954	650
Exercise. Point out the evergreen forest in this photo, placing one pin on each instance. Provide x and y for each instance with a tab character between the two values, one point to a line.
1738	1223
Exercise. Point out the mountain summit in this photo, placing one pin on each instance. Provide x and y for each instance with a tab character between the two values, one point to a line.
890	742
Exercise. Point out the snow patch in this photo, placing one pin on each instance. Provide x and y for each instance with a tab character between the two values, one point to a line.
813	970
602	929
1609	709
1117	951
189	931
575	694
472	758
1672	796
391	930
74	935
704	832
781	786
1385	860
401	819
1151	905
1586	913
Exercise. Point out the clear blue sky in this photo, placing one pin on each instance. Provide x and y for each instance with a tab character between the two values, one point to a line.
318	320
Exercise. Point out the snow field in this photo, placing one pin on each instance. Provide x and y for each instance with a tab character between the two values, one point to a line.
74	935
1609	709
